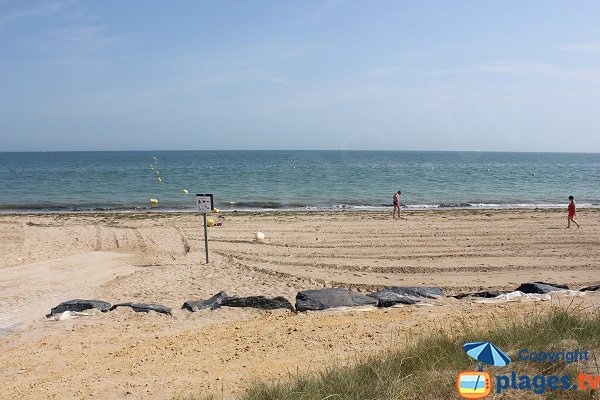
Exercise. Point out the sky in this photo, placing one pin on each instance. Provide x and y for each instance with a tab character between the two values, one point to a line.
351	75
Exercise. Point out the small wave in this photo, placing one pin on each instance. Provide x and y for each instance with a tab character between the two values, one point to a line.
454	205
25	207
46	208
253	205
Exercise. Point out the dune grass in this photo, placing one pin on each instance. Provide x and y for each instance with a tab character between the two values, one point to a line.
427	367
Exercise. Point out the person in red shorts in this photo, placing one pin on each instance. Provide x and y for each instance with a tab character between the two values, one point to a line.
571	212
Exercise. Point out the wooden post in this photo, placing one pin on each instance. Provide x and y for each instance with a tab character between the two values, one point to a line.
205	205
205	238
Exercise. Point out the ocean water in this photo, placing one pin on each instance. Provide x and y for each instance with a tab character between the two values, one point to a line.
292	180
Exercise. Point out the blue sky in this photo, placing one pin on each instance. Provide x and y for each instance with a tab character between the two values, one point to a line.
394	75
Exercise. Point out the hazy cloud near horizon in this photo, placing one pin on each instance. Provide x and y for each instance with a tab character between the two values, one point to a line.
506	76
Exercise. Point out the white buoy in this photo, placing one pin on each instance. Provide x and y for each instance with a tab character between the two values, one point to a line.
260	236
185	191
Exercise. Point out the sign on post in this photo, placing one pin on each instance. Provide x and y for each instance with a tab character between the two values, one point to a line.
205	206
205	203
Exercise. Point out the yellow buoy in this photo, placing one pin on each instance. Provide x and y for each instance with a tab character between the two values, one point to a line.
215	210
153	201
210	223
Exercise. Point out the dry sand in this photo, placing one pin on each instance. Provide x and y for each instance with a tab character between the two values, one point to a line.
159	258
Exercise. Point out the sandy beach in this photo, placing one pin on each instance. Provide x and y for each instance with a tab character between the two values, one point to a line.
159	258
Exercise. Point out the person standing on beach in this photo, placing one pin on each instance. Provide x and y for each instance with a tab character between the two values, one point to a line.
571	212
396	204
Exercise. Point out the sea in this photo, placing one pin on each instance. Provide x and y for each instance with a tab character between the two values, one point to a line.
293	180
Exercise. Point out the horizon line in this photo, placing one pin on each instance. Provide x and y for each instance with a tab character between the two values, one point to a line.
302	150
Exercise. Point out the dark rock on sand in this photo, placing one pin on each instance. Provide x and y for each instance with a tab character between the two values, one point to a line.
540	287
321	299
258	302
79	305
487	294
142	307
213	303
591	288
389	296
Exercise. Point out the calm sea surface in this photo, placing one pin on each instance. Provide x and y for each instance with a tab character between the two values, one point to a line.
284	180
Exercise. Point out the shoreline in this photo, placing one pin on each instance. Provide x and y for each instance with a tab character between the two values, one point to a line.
366	210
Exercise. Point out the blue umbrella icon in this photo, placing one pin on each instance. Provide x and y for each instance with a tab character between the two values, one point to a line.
487	353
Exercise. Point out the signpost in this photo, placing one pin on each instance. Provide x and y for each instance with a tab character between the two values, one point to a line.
205	206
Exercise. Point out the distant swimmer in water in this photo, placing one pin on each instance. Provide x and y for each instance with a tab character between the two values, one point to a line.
396	204
571	212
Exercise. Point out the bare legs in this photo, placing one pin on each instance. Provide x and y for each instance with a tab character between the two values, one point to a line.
569	219
394	212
